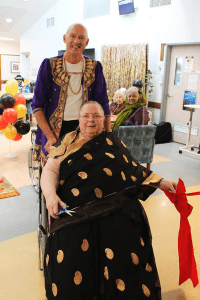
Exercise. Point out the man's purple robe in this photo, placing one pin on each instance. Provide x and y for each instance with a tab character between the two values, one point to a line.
50	95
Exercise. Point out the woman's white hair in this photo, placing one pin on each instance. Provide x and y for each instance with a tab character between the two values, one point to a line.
72	25
121	91
132	89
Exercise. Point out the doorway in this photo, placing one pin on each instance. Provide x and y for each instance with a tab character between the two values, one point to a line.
181	85
7	71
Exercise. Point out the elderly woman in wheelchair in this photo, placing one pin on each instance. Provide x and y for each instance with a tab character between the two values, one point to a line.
99	245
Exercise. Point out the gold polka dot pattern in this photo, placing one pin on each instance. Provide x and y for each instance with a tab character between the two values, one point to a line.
133	178
77	278
69	161
110	155
88	156
47	259
109	253
85	245
123	144
109	142
54	289
75	192
148	268
83	175
62	182
123	176
144	174
120	285
134	164
146	291
106	273
60	256
98	193
125	158
142	242
108	171
135	258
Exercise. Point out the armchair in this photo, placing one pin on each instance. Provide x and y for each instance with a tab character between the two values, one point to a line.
140	141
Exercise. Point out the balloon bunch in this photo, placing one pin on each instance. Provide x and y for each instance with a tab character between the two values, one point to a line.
12	109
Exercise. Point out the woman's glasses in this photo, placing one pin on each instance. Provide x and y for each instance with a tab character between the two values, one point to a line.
94	117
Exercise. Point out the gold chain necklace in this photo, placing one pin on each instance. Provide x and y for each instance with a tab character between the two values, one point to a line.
83	67
75	93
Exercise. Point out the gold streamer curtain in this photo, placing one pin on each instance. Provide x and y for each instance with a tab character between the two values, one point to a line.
122	64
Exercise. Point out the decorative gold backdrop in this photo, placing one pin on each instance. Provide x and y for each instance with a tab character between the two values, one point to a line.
122	64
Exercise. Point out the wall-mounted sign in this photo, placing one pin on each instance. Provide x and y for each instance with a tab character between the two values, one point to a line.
192	82
189	63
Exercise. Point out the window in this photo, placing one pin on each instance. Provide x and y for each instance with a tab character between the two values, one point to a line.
178	78
50	22
155	3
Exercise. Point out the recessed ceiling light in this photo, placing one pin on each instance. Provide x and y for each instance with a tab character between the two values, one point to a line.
7	39
26	0
8	20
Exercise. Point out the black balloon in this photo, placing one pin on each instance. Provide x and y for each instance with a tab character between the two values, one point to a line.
22	126
7	100
1	109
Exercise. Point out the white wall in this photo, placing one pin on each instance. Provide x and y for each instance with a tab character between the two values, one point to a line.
9	47
177	23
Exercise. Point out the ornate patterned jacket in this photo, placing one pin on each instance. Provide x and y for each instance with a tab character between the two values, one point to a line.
50	95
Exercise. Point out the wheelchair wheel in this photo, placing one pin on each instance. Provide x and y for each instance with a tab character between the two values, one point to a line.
34	170
42	230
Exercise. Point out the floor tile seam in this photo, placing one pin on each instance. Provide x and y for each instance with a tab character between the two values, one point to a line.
16	237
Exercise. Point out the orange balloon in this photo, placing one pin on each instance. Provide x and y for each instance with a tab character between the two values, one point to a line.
11	86
21	110
10	132
20	99
17	137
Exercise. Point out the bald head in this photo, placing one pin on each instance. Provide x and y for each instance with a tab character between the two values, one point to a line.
77	24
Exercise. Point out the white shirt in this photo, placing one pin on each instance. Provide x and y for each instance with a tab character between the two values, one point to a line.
74	101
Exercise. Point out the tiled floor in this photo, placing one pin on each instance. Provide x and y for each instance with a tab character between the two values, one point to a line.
20	278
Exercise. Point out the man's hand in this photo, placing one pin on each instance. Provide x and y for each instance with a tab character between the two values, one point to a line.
50	143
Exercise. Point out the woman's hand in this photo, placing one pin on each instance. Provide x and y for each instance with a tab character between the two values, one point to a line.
167	185
52	203
164	184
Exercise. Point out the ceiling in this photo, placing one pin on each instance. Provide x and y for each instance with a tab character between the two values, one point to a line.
23	14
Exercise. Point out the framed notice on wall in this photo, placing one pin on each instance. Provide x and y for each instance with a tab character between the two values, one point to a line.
15	67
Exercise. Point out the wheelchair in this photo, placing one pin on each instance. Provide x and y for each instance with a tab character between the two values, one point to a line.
33	166
35	171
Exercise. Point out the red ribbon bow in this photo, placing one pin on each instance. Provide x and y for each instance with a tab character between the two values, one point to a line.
187	264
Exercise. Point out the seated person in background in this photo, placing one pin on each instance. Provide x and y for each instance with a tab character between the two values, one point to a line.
22	87
119	102
25	88
134	113
139	84
104	249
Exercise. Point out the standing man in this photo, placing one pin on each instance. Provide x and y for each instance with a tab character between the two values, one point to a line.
63	84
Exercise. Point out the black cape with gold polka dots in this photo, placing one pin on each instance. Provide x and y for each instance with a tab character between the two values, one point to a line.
104	250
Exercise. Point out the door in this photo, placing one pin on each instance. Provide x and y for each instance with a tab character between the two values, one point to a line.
184	86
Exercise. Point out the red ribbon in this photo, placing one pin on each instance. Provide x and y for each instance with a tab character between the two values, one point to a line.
187	263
